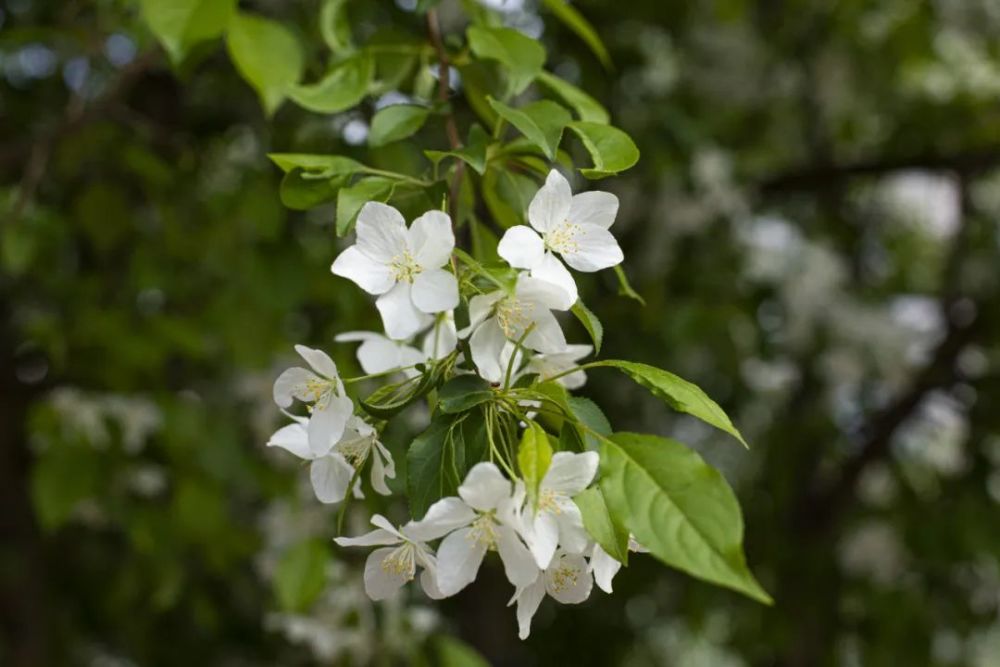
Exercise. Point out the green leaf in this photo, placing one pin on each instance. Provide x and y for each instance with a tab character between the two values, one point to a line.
507	195
521	56
431	468
300	576
612	150
611	535
389	400
587	412
63	476
267	55
396	122
586	107
625	288
590	323
181	24
678	507
473	153
335	27
533	458
300	193
352	198
575	21
342	88
452	652
322	165
678	393
463	392
542	122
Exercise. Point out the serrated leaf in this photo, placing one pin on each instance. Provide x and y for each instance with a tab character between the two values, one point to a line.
541	122
342	88
612	150
521	56
534	455
575	21
181	24
350	200
428	477
585	106
300	576
597	521
396	122
625	287
463	392
324	165
267	55
678	507
590	323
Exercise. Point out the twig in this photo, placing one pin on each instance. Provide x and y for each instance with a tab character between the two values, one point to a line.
450	126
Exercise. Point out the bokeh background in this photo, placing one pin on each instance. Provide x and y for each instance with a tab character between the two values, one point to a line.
813	225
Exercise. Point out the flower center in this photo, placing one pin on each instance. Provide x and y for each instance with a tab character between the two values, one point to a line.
484	531
355	450
563	577
512	316
401	562
404	267
547	501
562	239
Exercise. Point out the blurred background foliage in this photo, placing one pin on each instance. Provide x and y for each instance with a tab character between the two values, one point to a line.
813	225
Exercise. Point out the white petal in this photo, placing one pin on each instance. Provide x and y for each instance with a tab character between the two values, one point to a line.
327	423
442	338
522	247
357	336
551	270
593	208
596	249
540	292
377	537
570	473
428	581
573	380
295	383
382	467
292	438
518	564
487	343
330	477
604	567
480	307
542	537
383	580
371	275
434	291
528	601
381	232
459	557
551	203
319	360
573	537
484	487
442	517
378	355
547	336
431	239
568	579
400	317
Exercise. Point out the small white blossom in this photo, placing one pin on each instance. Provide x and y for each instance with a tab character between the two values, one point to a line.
389	568
330	408
567	579
572	226
550	365
380	354
605	567
402	266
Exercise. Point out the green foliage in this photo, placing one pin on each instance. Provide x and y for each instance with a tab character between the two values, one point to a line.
534	455
396	122
605	530
267	54
351	199
301	575
590	322
612	150
344	85
576	22
541	122
435	464
462	393
180	25
521	56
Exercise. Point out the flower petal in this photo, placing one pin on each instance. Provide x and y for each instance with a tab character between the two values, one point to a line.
378	355
542	536
293	438
441	518
327	423
372	276
400	317
480	307
540	292
604	568
431	239
377	537
435	291
528	601
319	360
484	487
570	473
547	336
459	557
442	338
486	344
568	579
381	232
295	383
551	270
428	581
521	247
382	578
330	477
518	564
550	205
382	467
593	208
594	249
573	536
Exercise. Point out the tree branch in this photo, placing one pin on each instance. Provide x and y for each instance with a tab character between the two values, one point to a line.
450	126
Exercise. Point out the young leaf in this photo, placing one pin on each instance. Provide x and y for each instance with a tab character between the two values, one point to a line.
325	165
427	477
507	195
575	21
352	198
612	150
521	56
607	532
678	393
586	107
587	412
542	122
181	24
533	458
300	193
625	288
300	576
590	323
342	88
678	507
473	153
267	55
463	392
335	26
396	122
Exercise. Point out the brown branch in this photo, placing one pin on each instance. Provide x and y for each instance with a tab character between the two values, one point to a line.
450	126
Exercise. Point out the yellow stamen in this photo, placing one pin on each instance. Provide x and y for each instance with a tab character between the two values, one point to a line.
404	267
562	239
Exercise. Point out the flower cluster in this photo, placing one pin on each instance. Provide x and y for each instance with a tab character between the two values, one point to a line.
511	338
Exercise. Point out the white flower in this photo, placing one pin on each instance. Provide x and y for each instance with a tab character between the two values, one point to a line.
553	519
499	317
379	354
567	579
574	226
550	365
331	471
605	567
389	568
402	265
330	407
479	520
442	339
